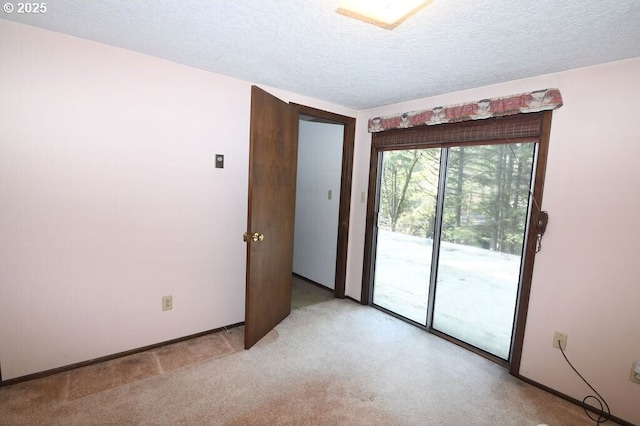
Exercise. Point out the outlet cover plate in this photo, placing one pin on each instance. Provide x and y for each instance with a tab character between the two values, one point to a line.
634	377
167	303
562	337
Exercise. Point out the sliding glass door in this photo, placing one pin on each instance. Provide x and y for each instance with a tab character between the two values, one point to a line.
450	235
406	220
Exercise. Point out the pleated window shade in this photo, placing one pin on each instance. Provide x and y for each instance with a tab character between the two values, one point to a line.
521	128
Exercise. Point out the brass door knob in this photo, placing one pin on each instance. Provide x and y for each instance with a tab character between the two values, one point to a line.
255	237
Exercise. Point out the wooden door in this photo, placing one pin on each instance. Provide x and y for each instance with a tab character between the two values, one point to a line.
273	159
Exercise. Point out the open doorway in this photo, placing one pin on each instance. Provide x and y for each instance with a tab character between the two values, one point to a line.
317	201
325	164
271	209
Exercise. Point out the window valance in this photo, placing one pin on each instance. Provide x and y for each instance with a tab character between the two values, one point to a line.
536	101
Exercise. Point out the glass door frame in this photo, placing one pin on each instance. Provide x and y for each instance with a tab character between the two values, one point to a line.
528	258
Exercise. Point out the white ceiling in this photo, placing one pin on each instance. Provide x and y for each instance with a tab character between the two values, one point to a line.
305	47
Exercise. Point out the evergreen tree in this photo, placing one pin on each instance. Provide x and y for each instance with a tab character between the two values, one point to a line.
486	194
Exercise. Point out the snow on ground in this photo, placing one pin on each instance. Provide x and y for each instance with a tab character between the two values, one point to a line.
476	288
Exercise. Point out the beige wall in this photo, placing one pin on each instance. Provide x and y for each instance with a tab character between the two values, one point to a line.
109	199
585	279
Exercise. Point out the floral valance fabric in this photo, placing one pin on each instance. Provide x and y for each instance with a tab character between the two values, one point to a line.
539	100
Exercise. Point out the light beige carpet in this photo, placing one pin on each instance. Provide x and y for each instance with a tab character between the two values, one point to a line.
334	362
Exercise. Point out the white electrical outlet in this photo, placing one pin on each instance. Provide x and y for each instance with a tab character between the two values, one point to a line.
635	372
167	303
562	338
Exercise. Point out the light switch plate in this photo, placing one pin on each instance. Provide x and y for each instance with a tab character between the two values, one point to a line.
219	161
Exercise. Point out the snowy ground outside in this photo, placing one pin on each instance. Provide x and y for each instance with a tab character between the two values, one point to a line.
475	292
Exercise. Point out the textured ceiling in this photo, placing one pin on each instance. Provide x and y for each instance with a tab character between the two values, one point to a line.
305	47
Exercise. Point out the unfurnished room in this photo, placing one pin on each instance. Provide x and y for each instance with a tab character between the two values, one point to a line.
316	212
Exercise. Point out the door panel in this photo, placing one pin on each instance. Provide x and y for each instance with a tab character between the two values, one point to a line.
404	240
271	211
484	217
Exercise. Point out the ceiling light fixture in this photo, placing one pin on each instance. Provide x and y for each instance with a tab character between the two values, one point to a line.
387	14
